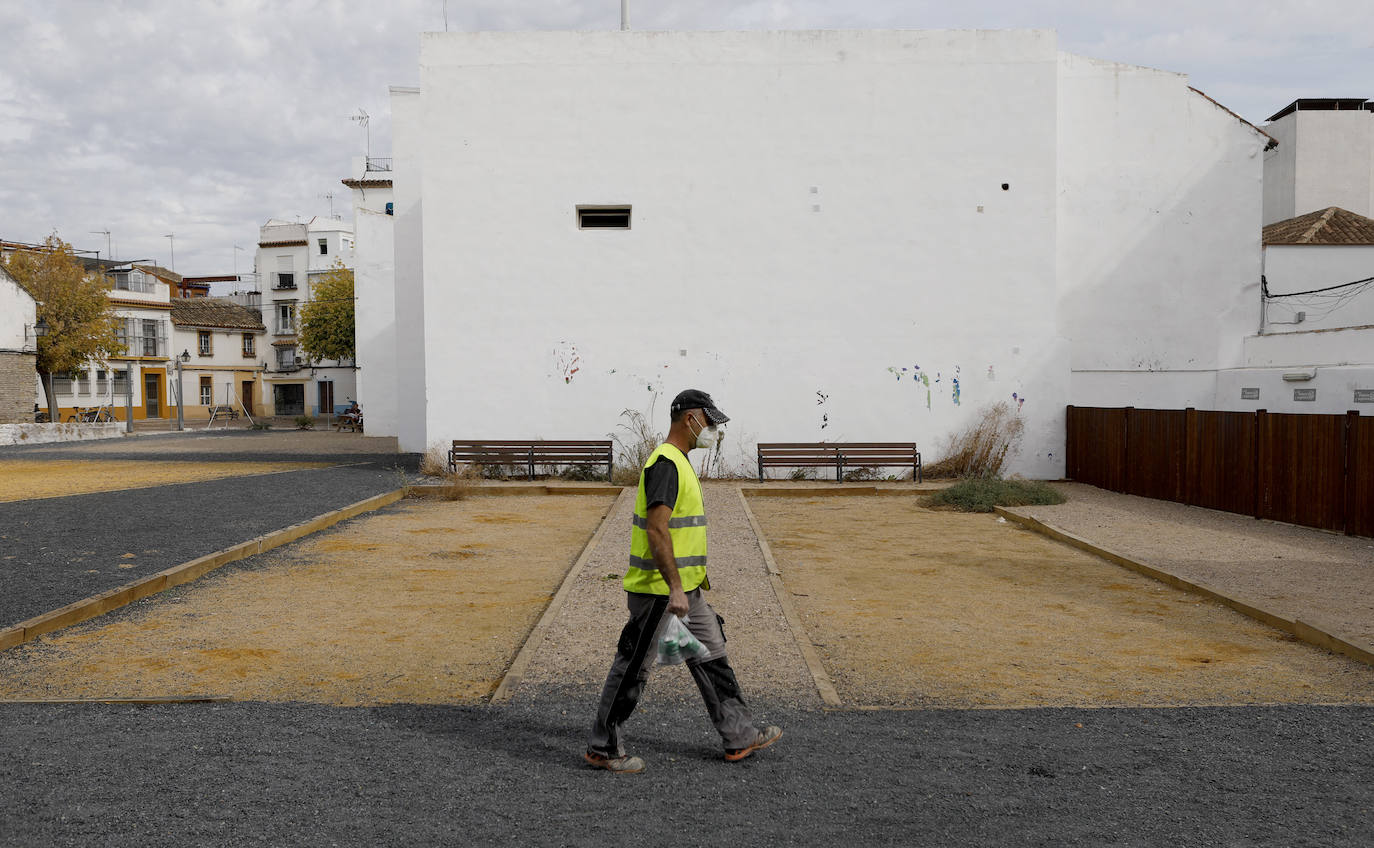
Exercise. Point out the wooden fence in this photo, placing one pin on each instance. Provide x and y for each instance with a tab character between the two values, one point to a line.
1314	470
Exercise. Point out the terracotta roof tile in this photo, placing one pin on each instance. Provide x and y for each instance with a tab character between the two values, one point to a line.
216	312
1331	225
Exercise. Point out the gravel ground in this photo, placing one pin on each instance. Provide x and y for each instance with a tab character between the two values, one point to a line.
257	774
1297	572
59	550
581	643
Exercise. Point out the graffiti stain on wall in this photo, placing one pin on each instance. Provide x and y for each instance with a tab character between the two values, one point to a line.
567	360
821	398
1020	400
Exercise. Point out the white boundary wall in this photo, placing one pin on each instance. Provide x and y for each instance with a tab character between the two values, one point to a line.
819	220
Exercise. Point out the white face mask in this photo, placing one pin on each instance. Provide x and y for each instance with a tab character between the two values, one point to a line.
708	437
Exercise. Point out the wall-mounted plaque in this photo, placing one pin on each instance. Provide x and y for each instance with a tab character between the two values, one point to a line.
1304	394
1249	394
1364	395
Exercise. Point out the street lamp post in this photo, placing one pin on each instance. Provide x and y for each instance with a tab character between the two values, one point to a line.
185	357
40	329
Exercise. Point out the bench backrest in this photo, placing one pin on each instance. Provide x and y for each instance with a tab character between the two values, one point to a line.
830	452
545	450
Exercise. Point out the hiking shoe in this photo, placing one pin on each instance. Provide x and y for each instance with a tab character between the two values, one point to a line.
766	737
616	765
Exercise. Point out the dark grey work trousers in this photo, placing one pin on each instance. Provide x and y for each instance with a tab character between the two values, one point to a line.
635	655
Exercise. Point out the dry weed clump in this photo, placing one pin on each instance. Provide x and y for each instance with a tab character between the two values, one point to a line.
982	448
452	485
632	449
435	461
455	486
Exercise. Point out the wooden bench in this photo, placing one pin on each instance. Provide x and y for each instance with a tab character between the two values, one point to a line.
223	412
529	453
345	421
839	455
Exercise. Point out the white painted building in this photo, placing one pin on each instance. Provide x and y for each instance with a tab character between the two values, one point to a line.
1325	157
222	342
840	235
290	256
373	281
18	347
1314	349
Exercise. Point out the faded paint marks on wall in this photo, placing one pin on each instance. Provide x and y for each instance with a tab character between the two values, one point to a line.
567	361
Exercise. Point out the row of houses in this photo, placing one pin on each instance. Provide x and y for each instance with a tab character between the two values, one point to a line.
239	351
849	236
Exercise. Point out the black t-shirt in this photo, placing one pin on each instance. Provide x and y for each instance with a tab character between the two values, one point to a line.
660	484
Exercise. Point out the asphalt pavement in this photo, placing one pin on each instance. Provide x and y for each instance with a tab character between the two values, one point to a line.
55	551
290	774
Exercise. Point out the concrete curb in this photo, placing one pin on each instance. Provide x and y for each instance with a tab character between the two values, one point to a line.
1320	635
839	491
506	690
824	686
113	599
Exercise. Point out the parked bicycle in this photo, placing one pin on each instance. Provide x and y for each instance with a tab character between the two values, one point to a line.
98	415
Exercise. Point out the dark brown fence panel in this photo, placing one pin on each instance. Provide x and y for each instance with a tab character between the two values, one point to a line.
1156	444
1095	450
1221	461
1360	476
1302	469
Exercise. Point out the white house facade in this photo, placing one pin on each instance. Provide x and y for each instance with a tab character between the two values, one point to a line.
290	256
222	343
18	349
840	235
1313	351
1325	157
373	280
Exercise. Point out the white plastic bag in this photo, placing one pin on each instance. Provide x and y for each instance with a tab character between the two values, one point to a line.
678	644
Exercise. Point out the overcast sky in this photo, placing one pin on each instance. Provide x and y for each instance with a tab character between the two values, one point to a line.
203	119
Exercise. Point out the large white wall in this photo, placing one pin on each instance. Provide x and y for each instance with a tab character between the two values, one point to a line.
375	316
817	215
410	284
1159	235
1335	161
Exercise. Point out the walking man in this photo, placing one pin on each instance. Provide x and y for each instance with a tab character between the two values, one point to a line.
667	576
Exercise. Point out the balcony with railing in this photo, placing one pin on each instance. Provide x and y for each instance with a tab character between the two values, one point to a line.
282	281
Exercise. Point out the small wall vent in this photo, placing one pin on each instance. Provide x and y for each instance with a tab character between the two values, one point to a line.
603	217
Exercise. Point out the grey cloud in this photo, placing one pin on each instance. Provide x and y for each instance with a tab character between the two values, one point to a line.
206	118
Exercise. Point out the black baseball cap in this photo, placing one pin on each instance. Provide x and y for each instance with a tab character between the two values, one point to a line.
697	399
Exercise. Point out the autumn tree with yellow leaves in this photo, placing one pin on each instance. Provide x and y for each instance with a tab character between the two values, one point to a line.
81	322
327	318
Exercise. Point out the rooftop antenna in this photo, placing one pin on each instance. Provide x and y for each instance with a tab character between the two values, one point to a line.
329	195
236	263
106	234
171	239
624	15
362	119
445	15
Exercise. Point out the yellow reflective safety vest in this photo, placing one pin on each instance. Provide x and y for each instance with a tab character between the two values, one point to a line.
686	527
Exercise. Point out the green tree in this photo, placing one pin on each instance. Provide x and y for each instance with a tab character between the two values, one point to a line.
81	322
327	318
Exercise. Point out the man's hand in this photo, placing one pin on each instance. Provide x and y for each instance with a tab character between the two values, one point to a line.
677	603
